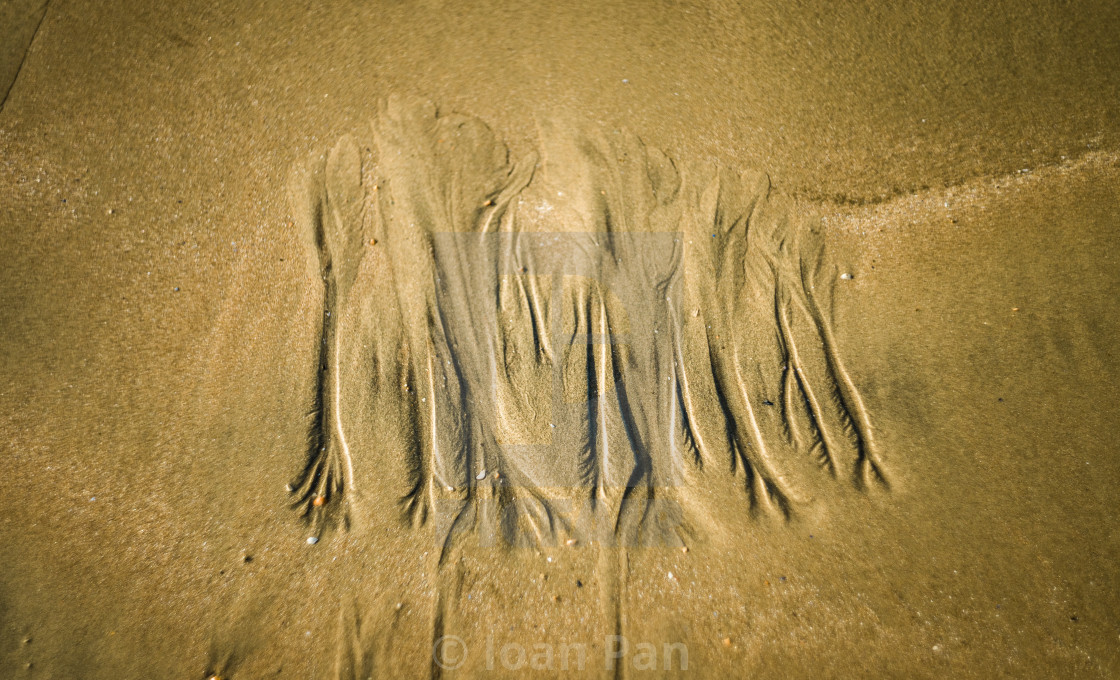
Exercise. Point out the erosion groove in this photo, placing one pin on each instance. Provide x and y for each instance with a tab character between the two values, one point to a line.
595	345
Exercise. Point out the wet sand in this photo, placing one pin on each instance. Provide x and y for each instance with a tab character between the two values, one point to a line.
165	289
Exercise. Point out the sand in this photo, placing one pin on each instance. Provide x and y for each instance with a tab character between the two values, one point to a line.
452	271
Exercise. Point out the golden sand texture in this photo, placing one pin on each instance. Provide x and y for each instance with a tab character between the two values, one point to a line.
182	189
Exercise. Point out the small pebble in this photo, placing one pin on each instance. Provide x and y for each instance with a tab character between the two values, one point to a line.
846	276
319	501
312	540
570	542
726	642
480	476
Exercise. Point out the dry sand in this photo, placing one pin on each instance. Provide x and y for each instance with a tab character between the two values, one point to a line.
780	338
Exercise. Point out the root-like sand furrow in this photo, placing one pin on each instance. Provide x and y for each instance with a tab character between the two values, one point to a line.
606	328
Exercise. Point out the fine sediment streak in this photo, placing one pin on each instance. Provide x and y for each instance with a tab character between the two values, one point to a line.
593	345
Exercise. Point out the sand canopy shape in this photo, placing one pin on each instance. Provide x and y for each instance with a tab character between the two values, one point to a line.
590	343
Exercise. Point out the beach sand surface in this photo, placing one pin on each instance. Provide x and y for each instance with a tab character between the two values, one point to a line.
936	498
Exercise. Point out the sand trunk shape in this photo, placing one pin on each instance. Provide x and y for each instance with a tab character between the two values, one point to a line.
327	204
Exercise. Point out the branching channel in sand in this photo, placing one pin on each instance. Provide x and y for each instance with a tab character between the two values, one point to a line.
597	345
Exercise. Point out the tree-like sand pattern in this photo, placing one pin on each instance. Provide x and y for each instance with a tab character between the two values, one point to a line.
596	345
